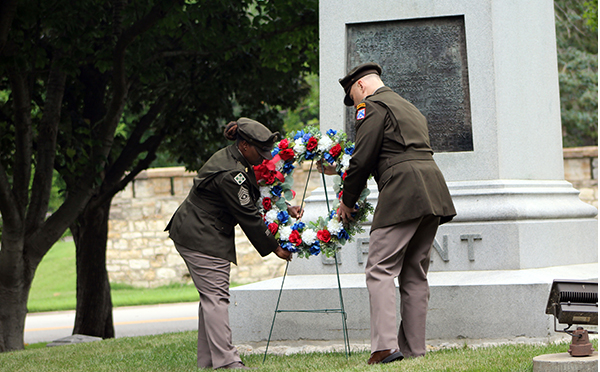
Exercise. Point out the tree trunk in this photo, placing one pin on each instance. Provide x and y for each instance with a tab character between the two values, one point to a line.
15	283
94	305
12	316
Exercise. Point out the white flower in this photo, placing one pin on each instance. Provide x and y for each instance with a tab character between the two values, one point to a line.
334	226
299	148
279	165
271	215
309	236
284	232
346	160
265	192
325	143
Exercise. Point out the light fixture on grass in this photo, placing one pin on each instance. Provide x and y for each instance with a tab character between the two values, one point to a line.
575	302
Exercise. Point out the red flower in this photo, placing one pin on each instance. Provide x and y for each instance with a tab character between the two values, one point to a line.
261	171
312	144
344	176
273	228
295	238
283	144
323	235
286	154
267	205
270	178
335	150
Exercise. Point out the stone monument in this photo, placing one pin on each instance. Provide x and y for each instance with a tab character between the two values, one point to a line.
484	73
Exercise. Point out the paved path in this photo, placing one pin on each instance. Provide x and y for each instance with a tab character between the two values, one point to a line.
166	318
128	321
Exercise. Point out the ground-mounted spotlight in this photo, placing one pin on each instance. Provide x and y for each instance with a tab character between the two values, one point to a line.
575	302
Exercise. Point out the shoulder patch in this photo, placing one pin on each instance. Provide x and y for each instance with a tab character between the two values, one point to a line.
361	105
244	196
240	178
361	113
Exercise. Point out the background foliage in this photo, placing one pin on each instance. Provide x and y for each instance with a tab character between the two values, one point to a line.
577	44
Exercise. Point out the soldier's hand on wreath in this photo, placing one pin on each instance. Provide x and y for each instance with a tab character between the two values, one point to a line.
295	212
284	254
327	169
345	212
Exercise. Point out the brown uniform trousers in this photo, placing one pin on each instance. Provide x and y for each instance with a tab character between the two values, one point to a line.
211	277
402	250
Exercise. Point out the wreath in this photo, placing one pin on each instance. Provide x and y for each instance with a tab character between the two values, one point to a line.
275	179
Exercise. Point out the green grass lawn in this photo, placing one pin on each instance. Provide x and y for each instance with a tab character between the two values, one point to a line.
177	352
54	285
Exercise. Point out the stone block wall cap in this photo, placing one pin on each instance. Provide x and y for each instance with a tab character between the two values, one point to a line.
580	152
166	172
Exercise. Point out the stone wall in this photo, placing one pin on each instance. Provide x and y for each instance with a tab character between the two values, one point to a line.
140	253
581	169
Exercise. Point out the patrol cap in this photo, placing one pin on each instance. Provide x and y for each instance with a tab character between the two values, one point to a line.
258	136
355	74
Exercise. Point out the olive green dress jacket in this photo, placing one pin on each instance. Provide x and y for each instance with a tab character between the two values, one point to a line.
392	143
224	194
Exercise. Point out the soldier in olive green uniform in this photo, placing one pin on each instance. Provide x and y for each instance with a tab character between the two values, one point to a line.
392	143
224	194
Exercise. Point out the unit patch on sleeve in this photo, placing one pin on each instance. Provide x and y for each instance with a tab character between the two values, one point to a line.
240	178
360	113
244	196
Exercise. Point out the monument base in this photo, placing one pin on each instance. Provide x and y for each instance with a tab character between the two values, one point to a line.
488	304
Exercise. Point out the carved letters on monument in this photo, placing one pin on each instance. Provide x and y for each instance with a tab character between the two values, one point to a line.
425	61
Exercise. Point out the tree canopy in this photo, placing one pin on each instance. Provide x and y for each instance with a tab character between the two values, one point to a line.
91	89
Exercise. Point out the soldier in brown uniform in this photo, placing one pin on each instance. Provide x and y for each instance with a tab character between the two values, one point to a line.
392	143
224	195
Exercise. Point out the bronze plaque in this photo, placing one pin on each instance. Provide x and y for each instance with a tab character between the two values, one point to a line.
424	61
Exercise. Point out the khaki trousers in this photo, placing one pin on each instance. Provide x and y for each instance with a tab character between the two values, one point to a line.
211	277
403	251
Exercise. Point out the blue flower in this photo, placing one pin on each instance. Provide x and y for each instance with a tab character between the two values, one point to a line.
275	151
276	190
288	168
357	208
331	214
306	137
332	132
343	234
283	216
309	155
299	134
315	249
349	150
289	246
299	226
329	158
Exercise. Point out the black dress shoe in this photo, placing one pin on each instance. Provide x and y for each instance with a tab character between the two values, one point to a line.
385	356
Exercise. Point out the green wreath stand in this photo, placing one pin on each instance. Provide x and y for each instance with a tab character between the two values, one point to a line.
339	310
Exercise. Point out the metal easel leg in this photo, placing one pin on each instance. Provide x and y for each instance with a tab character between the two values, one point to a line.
276	311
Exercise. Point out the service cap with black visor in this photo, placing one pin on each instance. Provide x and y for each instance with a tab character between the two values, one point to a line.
258	136
353	76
